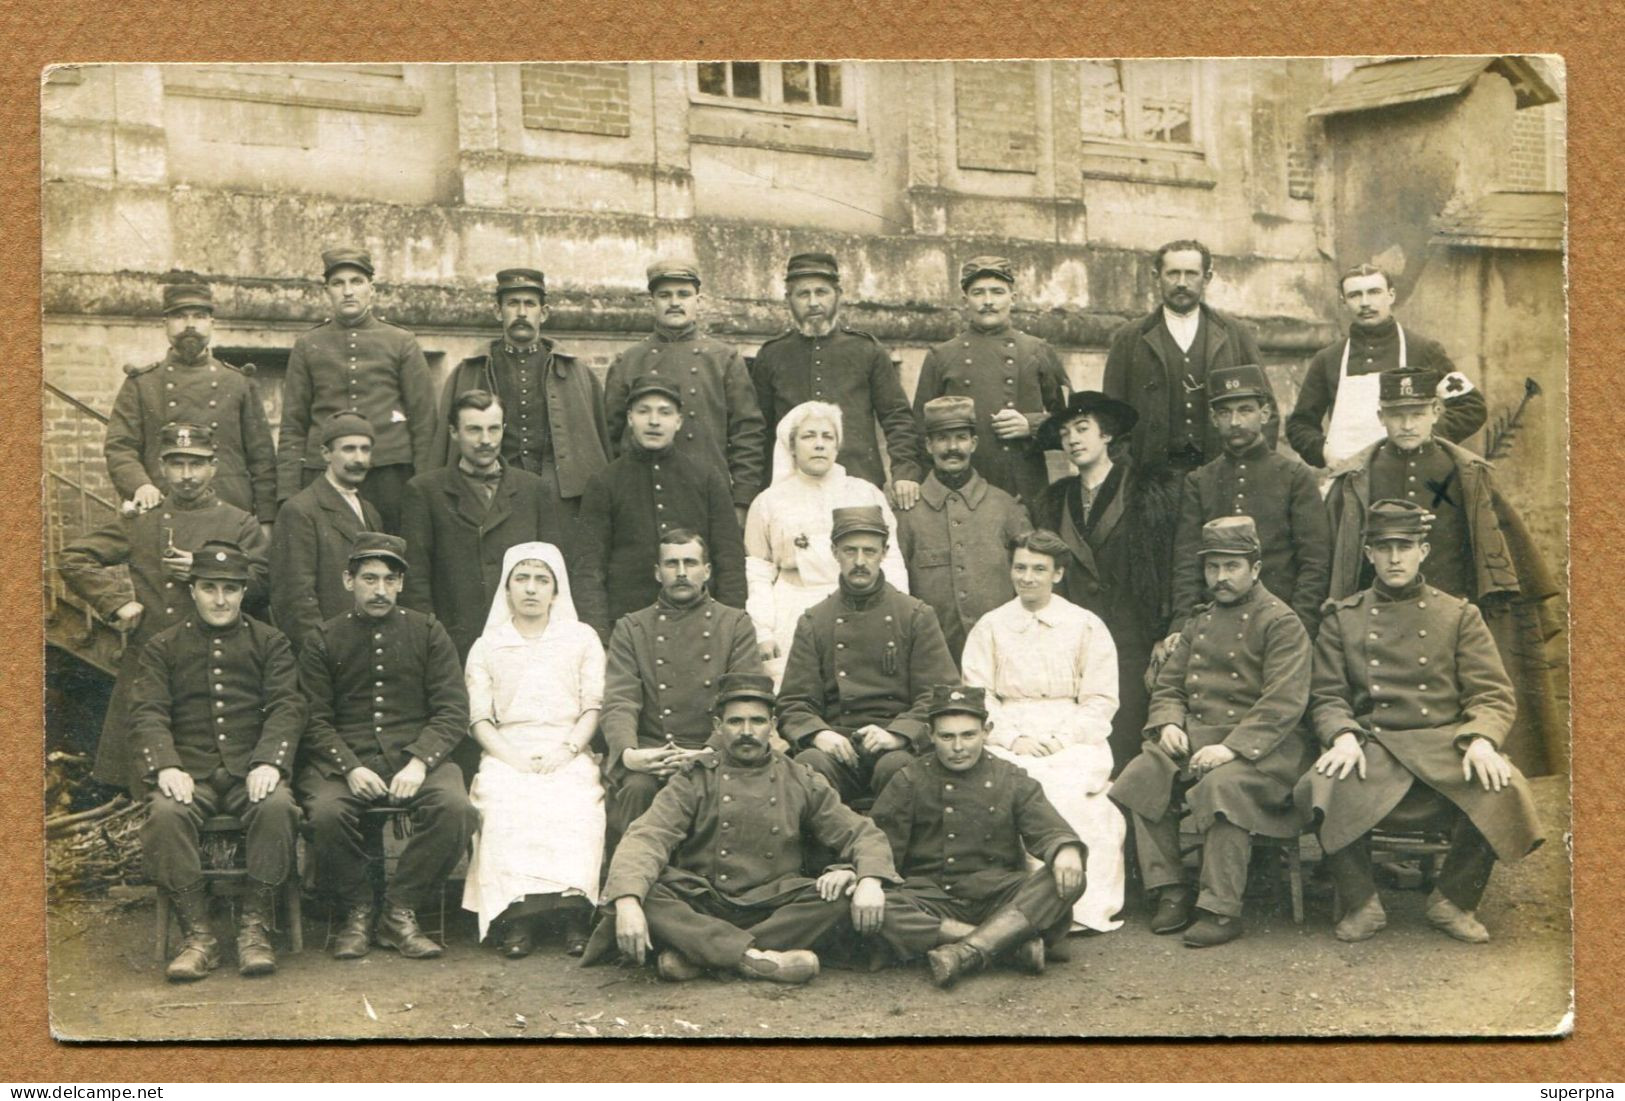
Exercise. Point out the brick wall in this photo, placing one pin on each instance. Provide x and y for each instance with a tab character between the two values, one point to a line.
580	98
996	104
1526	164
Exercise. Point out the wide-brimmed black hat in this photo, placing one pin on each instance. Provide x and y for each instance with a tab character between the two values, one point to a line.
1116	417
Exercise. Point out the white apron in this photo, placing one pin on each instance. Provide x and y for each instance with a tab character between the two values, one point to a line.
1354	424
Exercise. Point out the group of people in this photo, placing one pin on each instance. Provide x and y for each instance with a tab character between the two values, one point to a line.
750	706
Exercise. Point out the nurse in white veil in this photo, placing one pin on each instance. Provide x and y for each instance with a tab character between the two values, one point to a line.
535	682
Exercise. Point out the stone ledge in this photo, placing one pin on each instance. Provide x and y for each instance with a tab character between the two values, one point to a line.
1168	171
786	133
301	91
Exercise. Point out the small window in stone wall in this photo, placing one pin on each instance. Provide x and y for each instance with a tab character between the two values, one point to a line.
1140	102
800	87
577	97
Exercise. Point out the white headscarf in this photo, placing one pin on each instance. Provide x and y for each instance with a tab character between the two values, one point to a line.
563	609
784	450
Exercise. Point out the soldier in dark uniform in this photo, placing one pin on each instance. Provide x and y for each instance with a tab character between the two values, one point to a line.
215	725
820	359
1159	364
861	668
157	545
191	386
662	670
652	487
356	362
553	404
721	417
712	874
961	823
387	707
1015	379
1409	698
1222	738
1251	478
963	527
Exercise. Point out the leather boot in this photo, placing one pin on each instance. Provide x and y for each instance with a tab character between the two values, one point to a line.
1004	930
1173	911
255	956
796	966
354	939
398	929
200	951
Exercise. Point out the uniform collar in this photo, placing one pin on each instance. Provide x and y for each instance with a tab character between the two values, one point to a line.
1380	333
171	359
859	602
935	494
1427	448
667	336
1001	331
368	320
207	499
1394	596
644	455
668	608
195	622
1258	450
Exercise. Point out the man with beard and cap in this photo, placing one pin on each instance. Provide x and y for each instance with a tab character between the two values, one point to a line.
712	876
1222	739
651	488
387	706
315	529
963	527
1480	550
191	386
1016	380
662	670
721	418
860	669
157	546
1159	364
1251	478
356	361
819	359
1412	706
215	725
553	403
961	823
1342	379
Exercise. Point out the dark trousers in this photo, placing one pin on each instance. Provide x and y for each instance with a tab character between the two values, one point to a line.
715	932
913	922
443	821
628	799
1226	848
863	783
169	837
383	489
1462	880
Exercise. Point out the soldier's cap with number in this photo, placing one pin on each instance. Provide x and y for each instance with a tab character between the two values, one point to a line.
335	258
978	266
654	384
949	411
181	438
520	279
846	521
183	296
219	560
1407	386
1393	519
821	264
743	686
377	544
961	699
346	423
1230	535
673	271
1244	380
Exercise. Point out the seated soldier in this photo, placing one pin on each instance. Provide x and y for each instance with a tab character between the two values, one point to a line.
712	874
214	727
968	897
387	704
861	667
661	677
1221	737
1408	689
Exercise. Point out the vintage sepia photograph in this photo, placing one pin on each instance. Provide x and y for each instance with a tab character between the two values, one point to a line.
802	549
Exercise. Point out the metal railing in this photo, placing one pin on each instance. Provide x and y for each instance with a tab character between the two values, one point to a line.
78	499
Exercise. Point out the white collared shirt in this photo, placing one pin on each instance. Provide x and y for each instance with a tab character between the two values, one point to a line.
1182	327
351	497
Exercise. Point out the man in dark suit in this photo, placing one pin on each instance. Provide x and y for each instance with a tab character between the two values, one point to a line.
314	530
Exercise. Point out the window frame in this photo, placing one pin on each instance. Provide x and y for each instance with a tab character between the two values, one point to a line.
1196	150
772	101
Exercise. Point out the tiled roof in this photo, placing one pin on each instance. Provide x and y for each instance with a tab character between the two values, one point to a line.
1506	220
1413	79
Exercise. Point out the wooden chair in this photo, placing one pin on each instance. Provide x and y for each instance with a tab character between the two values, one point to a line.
385	830
221	843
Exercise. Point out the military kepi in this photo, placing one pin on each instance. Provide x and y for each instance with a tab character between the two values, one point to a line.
951	699
867	518
520	279
346	423
335	258
673	271
1391	519
812	263
1231	535
744	686
219	560
181	438
654	384
378	544
185	296
1244	380
948	412
978	266
1407	386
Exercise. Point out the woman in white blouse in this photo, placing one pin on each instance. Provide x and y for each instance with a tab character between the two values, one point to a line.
1050	671
789	565
535	682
